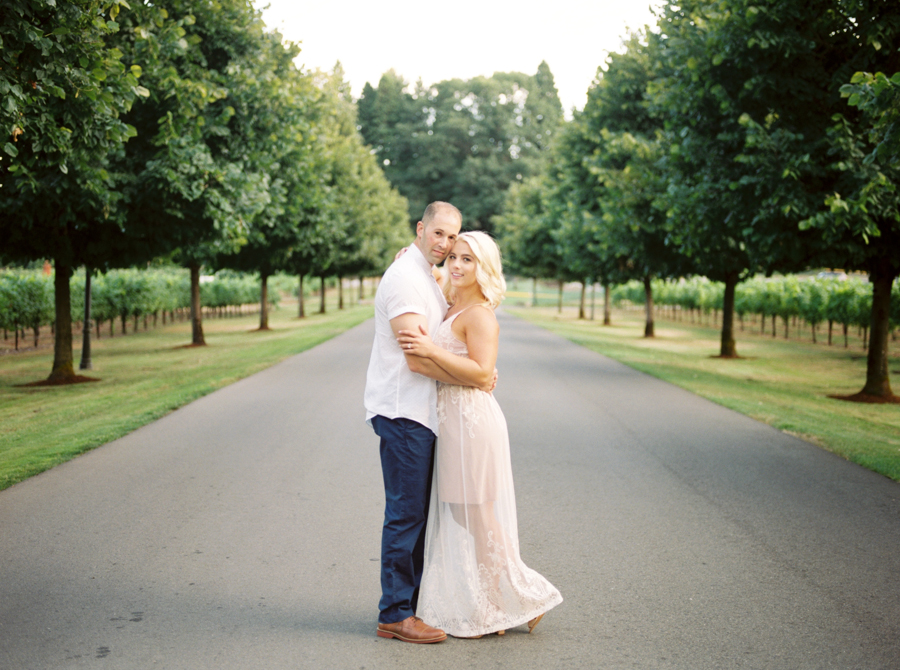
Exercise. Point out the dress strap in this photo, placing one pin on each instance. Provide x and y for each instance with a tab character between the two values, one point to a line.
477	304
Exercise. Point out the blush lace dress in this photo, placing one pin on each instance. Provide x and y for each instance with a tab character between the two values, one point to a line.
474	581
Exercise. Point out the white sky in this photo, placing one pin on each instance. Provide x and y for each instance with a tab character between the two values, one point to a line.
462	39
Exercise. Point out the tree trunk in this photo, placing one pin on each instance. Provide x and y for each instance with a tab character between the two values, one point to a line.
830	325
362	288
648	307
63	361
321	295
559	301
534	291
17	334
878	381
196	310
85	363
728	348
593	297
340	293
581	303
774	325
846	342
263	301
786	321
607	319
762	325
124	319
301	311
813	326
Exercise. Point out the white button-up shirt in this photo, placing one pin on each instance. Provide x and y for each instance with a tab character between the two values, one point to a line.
392	390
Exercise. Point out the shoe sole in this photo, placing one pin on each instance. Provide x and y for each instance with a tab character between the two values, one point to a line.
389	635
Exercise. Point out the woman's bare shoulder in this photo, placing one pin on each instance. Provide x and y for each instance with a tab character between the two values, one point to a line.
480	317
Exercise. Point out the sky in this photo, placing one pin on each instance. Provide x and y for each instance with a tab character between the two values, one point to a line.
436	41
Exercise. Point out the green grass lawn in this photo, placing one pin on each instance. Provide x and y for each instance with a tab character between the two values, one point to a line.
786	384
143	376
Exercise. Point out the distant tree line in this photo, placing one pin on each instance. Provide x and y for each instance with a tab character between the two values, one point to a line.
464	141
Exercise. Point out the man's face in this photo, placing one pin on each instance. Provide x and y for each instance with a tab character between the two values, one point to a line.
437	239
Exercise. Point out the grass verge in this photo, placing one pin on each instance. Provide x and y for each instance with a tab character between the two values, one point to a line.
785	384
143	376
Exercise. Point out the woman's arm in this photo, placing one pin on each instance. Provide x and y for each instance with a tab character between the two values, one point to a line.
424	366
481	334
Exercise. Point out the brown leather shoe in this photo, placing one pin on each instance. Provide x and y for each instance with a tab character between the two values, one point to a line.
411	629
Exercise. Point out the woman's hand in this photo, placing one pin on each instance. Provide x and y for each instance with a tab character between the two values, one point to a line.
415	343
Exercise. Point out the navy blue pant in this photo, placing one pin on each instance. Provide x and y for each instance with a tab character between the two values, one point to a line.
407	459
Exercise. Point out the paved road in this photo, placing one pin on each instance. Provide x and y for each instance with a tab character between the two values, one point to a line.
243	531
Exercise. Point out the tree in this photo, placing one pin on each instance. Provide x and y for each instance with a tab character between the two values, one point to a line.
727	68
863	214
278	100
192	176
526	232
832	176
64	88
620	149
360	222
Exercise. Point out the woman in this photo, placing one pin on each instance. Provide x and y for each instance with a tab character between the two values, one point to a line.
474	581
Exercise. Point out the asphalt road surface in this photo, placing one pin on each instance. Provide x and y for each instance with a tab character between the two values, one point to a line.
243	532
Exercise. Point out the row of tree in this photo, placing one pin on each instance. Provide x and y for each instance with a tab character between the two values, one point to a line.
733	138
180	130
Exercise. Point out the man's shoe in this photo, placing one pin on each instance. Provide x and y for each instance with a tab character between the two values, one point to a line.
411	629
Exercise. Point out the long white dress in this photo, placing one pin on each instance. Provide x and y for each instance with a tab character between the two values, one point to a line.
474	581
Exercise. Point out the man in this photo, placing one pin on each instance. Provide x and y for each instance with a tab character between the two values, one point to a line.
401	405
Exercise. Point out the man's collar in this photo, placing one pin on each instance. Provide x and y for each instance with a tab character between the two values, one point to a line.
419	257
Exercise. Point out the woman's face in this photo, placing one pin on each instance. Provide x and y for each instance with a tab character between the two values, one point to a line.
461	264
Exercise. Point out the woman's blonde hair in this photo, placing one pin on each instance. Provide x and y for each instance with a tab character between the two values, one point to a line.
488	268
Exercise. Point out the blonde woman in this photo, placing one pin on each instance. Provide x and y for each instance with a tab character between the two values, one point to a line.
474	581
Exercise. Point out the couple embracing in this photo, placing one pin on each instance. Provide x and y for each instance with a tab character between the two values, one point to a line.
430	376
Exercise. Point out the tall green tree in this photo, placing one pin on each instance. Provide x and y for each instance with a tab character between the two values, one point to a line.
64	87
364	219
725	63
194	174
863	214
808	157
613	171
279	101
